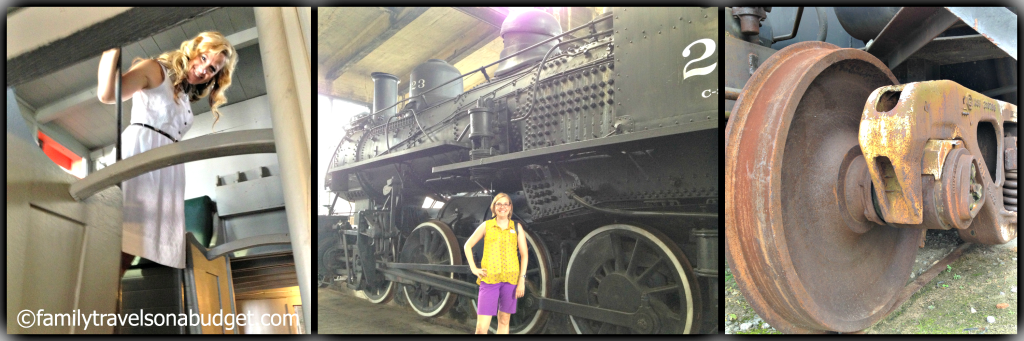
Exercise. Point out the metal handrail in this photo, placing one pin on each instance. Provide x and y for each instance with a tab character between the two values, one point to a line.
117	98
482	68
238	245
199	148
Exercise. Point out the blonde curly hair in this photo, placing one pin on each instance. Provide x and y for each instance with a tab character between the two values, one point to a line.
177	62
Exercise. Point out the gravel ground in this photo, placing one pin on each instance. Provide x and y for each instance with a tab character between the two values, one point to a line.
979	285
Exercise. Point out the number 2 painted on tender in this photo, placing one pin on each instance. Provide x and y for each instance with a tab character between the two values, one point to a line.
709	49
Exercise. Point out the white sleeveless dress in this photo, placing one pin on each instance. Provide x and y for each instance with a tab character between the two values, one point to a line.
154	202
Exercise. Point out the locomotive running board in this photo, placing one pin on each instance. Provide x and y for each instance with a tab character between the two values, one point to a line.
568	148
428	149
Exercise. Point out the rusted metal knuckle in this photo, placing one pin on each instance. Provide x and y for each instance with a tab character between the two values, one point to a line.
897	133
887	137
792	160
905	130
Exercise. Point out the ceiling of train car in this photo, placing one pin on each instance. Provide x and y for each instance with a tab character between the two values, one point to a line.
353	42
66	100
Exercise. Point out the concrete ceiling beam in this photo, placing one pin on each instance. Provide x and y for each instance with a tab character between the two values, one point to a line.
338	64
490	15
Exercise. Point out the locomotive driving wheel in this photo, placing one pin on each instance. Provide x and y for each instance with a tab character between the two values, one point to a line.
528	318
802	258
432	242
331	264
385	291
616	266
327	261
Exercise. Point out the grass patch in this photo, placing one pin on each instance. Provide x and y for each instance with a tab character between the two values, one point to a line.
931	326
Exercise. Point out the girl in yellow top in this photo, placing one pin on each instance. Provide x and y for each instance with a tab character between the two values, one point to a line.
501	273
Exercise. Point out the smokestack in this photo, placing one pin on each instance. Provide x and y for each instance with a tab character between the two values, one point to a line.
385	93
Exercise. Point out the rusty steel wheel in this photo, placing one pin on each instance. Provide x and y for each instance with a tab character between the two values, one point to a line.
802	261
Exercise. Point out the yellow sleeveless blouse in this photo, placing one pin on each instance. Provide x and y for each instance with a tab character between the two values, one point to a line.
500	254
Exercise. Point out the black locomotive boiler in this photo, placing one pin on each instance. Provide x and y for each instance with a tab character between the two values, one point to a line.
606	137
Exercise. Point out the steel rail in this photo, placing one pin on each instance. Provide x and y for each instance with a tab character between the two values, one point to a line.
925	277
928	276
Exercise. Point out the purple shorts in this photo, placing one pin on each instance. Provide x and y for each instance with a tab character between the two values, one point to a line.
493	297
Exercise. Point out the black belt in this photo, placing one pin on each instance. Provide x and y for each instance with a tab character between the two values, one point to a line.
156	130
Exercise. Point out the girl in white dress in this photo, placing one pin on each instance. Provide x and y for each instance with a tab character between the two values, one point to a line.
161	90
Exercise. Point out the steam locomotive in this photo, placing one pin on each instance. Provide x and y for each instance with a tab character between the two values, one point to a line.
606	137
